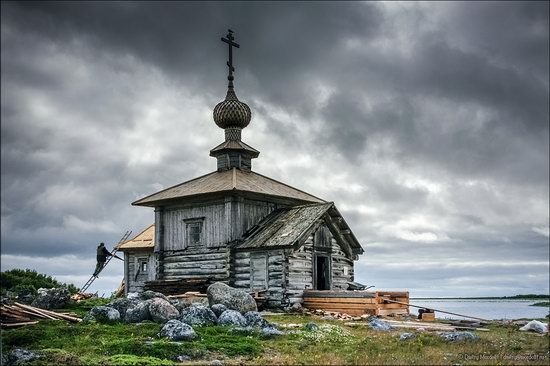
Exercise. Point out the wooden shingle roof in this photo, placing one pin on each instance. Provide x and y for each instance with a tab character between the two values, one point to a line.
224	181
143	240
289	227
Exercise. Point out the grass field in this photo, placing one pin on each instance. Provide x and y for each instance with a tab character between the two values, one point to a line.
137	344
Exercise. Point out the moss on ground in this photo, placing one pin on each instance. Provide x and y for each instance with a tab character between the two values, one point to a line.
137	344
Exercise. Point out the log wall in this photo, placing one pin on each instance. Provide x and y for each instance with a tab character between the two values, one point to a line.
135	278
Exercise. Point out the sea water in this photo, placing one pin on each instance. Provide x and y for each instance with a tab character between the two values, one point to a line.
486	309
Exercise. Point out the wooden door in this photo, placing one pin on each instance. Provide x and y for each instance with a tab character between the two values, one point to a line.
258	271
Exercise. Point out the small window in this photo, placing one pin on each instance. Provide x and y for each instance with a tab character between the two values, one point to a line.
194	232
143	265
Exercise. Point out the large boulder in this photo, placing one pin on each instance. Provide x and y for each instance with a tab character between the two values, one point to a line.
103	314
52	298
138	313
147	295
161	310
254	319
232	298
218	309
198	315
177	331
233	318
122	305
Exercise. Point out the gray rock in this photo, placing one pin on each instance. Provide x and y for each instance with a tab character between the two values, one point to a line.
122	305
182	358
177	331
378	324
184	303
161	310
52	298
232	298
232	317
459	336
198	315
20	356
311	326
269	332
147	295
218	309
104	314
138	313
254	319
328	317
406	336
216	363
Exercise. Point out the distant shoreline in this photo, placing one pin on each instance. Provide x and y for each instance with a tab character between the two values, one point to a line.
518	297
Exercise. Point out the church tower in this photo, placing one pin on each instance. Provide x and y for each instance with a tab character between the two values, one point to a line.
232	115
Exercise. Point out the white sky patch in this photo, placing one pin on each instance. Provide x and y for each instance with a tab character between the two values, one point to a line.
542	230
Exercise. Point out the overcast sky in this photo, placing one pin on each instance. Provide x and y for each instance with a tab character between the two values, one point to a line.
426	123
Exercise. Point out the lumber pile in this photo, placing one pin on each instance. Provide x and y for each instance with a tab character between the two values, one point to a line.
179	286
82	296
389	308
17	315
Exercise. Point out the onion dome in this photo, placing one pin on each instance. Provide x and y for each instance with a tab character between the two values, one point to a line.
231	112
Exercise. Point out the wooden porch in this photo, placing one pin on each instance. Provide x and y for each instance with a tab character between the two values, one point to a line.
357	303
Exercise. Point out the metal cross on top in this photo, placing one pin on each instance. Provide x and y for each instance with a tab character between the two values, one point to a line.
229	40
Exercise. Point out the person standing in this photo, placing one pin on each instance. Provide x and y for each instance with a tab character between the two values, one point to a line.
102	254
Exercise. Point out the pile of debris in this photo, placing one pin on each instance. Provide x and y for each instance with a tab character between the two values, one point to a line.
17	315
81	297
335	315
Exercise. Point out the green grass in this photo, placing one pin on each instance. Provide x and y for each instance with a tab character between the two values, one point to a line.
137	344
543	304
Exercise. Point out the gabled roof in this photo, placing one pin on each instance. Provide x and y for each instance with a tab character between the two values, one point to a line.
143	240
290	227
224	181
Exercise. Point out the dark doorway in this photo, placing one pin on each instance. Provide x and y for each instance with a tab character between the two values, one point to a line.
322	273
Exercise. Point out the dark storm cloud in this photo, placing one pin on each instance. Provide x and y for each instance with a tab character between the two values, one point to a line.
427	124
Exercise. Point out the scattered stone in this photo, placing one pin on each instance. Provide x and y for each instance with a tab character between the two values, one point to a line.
254	319
328	317
198	315
232	298
216	363
182	358
146	295
175	330
184	303
218	309
535	326
406	336
271	331
19	356
232	317
378	324
104	314
311	327
161	310
138	313
459	336
52	298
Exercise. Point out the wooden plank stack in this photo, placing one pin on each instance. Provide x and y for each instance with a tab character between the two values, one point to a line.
392	309
17	315
357	303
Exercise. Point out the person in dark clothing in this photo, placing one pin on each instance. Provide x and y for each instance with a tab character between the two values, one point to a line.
102	254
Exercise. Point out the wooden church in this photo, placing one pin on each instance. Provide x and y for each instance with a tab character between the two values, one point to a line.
240	227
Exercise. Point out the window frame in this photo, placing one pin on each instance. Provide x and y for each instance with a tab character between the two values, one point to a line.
193	222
